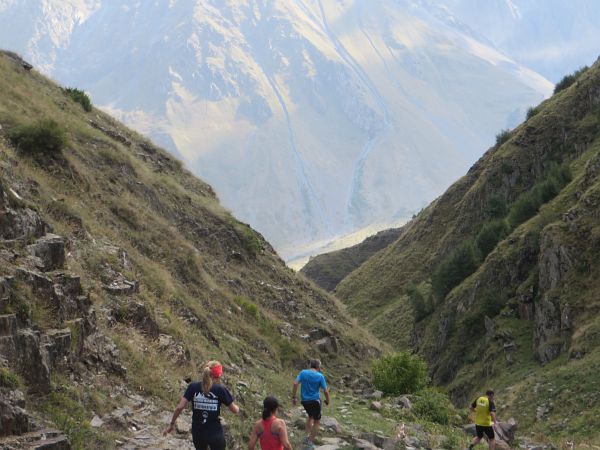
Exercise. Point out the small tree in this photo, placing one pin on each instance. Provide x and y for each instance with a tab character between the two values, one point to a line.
399	373
568	80
489	236
433	406
44	136
422	306
454	269
502	137
79	96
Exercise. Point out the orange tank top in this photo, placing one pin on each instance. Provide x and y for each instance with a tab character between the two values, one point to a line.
268	440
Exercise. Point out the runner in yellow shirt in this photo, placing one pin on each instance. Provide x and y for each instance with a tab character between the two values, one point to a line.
485	419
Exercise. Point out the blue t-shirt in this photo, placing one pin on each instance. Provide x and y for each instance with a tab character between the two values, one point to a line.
207	408
311	381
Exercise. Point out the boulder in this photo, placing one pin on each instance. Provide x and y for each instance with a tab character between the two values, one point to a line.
101	352
327	345
375	405
363	445
13	418
318	333
51	251
404	402
331	424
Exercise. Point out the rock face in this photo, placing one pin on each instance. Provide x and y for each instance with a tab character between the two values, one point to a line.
552	319
51	250
13	418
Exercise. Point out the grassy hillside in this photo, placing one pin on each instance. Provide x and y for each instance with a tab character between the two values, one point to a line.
171	277
328	269
496	282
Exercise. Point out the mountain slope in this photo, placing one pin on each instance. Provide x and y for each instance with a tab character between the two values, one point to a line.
121	274
500	273
308	118
328	269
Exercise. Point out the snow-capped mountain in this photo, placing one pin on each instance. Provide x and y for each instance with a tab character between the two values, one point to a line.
311	118
552	37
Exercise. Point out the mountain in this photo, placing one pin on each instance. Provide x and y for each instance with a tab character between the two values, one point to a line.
328	269
310	119
497	279
120	274
552	37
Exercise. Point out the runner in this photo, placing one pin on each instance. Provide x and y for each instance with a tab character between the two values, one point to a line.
271	431
485	419
312	381
206	397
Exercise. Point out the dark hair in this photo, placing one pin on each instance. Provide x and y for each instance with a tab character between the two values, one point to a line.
270	405
314	364
489	392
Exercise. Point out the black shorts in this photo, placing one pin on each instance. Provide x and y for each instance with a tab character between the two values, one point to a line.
313	409
488	431
215	442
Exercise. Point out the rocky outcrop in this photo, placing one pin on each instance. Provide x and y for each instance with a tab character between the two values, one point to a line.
51	251
552	317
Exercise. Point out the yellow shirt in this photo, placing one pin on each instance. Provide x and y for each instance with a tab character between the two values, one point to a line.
483	410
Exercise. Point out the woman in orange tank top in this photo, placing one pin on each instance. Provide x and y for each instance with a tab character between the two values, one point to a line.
270	431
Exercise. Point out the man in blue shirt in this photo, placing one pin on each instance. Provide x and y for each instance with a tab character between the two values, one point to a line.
312	381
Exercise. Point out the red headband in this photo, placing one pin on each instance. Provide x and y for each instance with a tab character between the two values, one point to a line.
216	371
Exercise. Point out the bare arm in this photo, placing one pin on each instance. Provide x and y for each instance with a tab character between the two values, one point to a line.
294	391
283	437
234	408
493	414
253	437
327	397
180	407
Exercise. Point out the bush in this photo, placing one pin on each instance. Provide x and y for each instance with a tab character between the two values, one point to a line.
568	80
422	306
8	379
488	237
247	305
43	136
532	112
432	406
454	269
502	137
79	96
399	373
496	207
528	204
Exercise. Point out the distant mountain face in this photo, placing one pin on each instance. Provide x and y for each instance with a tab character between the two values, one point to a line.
552	37
310	118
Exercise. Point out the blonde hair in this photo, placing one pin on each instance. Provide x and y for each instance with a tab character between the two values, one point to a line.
207	380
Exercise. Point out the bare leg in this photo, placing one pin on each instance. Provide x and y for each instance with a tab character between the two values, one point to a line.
492	443
315	430
475	441
309	425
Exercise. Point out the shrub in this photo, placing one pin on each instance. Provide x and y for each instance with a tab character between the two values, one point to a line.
249	239
532	112
496	207
43	136
247	305
454	269
79	96
488	237
491	304
502	137
568	80
399	373
8	379
422	306
528	204
433	406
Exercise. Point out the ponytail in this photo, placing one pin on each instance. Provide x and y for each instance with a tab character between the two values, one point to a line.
270	405
266	414
206	380
207	376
